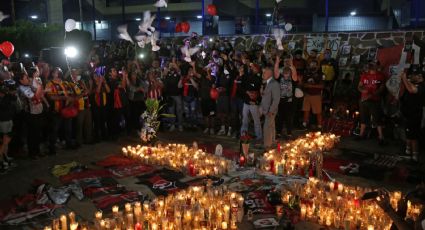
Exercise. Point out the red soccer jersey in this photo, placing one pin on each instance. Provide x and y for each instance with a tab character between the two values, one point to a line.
371	83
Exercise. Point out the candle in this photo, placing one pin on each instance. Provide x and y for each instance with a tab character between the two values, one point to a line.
224	225
71	217
138	226
115	210
242	161
370	227
47	228
102	224
64	225
303	211
73	226
340	188
98	215
331	185
127	207
331	110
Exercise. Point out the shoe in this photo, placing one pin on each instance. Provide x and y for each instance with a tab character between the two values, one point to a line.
304	126
354	169
180	128
7	158
229	132
212	132
222	131
172	128
3	170
343	168
206	130
5	165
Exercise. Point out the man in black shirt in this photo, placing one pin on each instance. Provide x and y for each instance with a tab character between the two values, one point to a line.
173	94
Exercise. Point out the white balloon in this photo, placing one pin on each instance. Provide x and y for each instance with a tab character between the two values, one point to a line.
288	26
70	25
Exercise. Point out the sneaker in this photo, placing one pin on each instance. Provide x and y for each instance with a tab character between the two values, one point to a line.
180	128
206	130
3	170
212	132
4	165
354	169
7	158
229	132
222	131
172	128
304	126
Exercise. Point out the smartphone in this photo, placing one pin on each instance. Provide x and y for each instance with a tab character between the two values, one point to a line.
370	195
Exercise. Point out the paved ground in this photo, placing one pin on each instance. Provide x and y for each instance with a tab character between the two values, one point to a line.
18	180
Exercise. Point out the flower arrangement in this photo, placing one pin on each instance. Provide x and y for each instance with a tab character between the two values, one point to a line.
150	120
246	138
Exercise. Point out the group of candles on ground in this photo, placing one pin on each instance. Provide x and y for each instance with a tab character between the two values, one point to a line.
207	207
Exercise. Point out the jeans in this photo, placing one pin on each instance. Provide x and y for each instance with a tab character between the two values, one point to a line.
56	121
176	108
190	109
100	123
254	110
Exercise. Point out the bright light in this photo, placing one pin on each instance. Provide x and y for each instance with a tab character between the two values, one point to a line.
34	16
138	19
268	15
199	16
211	40
167	18
353	13
71	52
26	55
141	56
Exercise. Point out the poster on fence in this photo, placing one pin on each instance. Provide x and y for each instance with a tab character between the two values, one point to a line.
318	43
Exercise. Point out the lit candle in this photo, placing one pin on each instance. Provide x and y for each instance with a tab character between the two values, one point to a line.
71	217
127	207
98	215
303	211
224	225
115	210
331	185
340	188
331	110
73	226
64	225
370	227
47	228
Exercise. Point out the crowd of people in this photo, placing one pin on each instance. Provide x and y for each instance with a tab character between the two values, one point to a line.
219	90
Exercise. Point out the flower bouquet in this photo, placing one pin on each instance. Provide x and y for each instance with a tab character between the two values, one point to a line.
148	133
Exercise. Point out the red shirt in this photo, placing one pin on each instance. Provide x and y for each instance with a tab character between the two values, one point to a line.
371	82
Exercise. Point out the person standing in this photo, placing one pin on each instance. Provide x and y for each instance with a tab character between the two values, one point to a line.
173	94
287	81
371	86
31	98
252	86
208	105
269	106
99	108
313	87
84	117
412	103
236	99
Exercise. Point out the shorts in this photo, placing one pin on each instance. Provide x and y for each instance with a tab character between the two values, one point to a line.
371	108
6	127
207	107
313	102
413	127
223	105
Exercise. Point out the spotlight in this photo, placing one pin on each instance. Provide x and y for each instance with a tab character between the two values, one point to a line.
141	56
353	13
138	19
167	18
199	17
211	40
268	15
71	52
26	55
33	16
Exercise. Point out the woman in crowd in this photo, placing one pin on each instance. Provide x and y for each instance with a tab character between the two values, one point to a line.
190	94
288	79
118	102
31	98
99	108
136	95
223	102
237	95
61	96
207	104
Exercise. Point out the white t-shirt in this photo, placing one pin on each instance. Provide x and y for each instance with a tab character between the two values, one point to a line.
33	106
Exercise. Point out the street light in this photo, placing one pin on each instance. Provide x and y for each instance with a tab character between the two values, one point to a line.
141	56
33	16
199	17
353	13
138	19
167	18
26	55
268	15
71	52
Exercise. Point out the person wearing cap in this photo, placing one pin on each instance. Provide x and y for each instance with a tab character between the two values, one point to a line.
412	103
252	85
